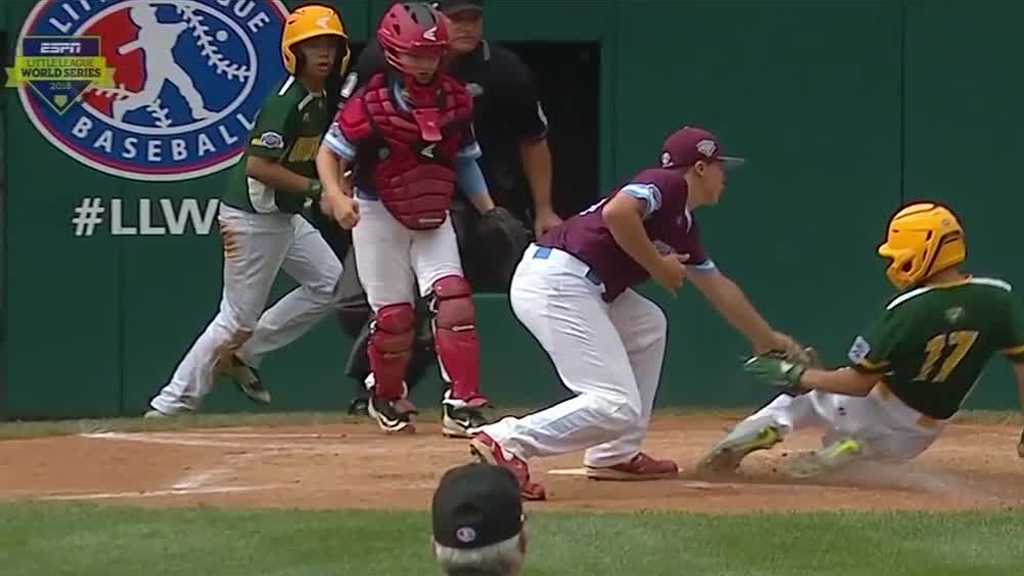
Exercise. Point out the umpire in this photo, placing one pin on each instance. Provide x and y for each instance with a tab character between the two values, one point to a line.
512	131
509	119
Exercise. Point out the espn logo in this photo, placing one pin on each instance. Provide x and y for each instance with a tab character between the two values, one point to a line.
59	48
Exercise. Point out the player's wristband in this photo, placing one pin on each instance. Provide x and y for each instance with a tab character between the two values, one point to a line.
314	189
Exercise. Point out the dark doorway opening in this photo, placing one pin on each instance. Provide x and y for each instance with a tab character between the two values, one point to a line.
568	75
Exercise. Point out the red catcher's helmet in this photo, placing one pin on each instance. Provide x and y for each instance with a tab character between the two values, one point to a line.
412	28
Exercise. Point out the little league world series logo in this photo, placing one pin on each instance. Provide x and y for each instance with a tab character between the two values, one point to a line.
154	90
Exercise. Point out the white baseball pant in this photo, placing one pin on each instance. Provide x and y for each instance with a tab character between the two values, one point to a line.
608	354
392	259
256	247
885	427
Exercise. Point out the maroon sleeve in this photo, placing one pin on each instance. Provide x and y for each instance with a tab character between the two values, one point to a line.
670	197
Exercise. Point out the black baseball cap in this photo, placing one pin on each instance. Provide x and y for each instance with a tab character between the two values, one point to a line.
476	505
453	6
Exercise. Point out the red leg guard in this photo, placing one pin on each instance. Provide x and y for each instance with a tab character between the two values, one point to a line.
455	335
391	348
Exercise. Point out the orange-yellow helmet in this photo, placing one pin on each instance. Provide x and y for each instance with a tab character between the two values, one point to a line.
309	22
923	239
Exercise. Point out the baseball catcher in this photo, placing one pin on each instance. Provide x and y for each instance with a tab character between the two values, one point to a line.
407	134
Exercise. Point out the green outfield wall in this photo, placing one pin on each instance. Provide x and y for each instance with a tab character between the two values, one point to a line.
843	108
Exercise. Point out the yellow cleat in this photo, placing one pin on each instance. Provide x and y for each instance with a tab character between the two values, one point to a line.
828	459
725	457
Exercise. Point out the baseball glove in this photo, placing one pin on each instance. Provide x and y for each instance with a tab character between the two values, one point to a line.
1020	445
503	233
778	371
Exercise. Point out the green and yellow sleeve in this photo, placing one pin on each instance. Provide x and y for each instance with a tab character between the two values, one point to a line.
870	352
273	131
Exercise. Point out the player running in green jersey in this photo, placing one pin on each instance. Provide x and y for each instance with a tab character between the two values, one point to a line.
908	373
261	226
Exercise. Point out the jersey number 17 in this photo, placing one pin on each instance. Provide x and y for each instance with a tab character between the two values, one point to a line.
953	346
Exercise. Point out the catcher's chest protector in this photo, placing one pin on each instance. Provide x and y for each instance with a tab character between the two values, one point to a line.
415	173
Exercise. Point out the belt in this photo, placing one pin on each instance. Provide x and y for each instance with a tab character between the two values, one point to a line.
568	260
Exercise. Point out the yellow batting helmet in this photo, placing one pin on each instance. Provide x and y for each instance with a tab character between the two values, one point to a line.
309	22
923	239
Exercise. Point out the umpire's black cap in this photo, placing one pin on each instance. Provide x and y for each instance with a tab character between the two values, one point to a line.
453	6
476	505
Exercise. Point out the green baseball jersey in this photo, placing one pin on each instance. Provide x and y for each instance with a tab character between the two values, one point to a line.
932	343
288	131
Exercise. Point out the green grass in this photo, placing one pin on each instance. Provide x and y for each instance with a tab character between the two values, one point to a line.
86	540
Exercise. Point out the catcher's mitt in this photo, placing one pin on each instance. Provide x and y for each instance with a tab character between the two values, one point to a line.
499	223
503	233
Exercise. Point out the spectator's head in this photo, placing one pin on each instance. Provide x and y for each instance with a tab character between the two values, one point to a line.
467	24
478	522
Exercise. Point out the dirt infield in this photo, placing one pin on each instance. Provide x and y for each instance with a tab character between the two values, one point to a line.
355	466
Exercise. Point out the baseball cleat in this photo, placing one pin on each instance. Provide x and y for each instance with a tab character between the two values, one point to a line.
828	459
392	416
490	452
462	418
154	414
461	422
726	456
640	467
248	380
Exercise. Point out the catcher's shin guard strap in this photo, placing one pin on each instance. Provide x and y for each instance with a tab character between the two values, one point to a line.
391	340
455	335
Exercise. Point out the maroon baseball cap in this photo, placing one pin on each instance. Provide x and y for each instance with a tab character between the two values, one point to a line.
688	145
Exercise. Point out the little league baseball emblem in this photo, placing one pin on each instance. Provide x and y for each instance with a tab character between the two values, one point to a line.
155	90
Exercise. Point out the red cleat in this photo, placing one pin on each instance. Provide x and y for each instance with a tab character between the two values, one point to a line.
487	450
641	467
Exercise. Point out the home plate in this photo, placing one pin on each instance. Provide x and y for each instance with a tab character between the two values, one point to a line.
688	483
568	472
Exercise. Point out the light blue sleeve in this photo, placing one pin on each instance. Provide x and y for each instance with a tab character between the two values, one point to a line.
649	194
470	177
338	144
470	152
